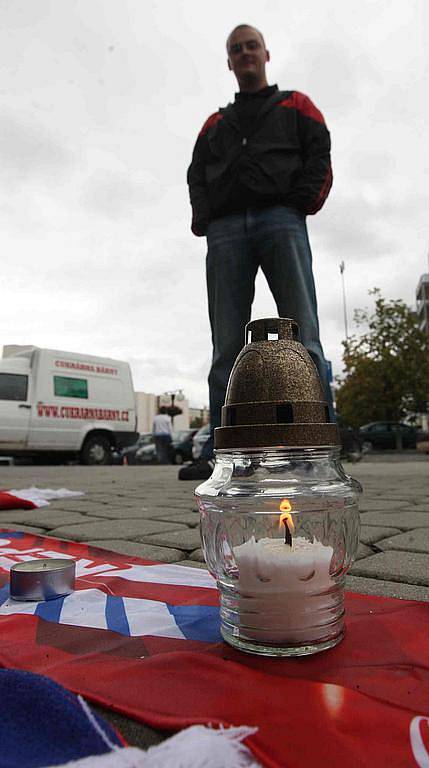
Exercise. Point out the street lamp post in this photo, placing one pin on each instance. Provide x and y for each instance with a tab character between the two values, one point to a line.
172	394
342	268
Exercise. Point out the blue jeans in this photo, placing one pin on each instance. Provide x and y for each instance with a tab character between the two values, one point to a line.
276	240
162	443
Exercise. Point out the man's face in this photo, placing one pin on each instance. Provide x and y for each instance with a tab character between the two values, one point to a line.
247	54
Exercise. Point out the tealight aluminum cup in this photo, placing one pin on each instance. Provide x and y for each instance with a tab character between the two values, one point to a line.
42	579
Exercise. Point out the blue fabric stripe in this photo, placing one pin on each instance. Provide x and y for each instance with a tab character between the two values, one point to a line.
12	534
197	622
4	594
116	617
50	610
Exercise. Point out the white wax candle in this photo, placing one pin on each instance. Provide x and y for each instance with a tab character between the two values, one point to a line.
285	593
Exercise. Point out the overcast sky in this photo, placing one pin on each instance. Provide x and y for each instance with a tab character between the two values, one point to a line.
100	105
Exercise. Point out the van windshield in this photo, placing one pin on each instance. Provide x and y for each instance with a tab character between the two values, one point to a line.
13	386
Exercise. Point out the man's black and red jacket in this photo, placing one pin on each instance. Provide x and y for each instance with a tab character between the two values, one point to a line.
285	158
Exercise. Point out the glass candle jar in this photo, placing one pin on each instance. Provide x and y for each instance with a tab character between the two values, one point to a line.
280	529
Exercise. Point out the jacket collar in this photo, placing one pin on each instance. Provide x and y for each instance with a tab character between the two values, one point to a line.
268	90
230	113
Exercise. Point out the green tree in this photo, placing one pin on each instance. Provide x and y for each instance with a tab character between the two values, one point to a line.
386	373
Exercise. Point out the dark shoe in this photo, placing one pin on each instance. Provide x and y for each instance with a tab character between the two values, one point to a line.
197	470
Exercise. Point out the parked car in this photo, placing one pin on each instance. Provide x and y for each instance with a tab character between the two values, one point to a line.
129	455
146	452
180	448
351	443
198	441
423	441
384	434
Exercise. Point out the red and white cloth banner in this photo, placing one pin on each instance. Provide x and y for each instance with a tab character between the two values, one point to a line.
143	639
33	498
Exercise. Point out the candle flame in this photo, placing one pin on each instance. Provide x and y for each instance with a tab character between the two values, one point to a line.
285	508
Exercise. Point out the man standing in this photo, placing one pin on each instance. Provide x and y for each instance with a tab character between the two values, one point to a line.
259	167
162	431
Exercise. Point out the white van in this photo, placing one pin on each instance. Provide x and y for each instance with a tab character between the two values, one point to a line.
63	403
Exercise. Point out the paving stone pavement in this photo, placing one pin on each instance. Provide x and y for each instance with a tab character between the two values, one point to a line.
147	512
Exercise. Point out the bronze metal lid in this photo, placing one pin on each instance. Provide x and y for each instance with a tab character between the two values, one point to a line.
274	397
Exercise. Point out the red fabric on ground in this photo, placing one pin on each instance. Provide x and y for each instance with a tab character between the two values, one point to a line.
356	705
8	501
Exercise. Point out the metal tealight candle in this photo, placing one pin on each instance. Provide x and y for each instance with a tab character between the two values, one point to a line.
42	579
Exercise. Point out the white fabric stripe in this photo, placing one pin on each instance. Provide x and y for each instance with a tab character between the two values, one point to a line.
86	568
6	563
13	606
10	551
22	556
85	608
40	496
178	575
148	617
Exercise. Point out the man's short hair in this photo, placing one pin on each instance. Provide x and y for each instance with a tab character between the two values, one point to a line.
243	26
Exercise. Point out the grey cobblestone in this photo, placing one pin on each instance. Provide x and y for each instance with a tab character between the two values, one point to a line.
143	513
187	539
386	588
369	505
363	551
407	567
136	549
24	528
405	521
81	505
124	513
137	508
12	517
370	534
197	555
42	518
416	540
116	529
192	519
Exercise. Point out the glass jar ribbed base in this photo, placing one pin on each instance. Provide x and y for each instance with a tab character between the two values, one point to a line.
282	624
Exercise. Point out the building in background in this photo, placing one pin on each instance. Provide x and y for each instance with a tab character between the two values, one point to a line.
422	302
199	416
147	406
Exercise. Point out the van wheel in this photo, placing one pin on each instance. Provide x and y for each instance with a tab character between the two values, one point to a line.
96	451
178	458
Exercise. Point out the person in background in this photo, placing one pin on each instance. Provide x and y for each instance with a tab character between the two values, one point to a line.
259	167
162	430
